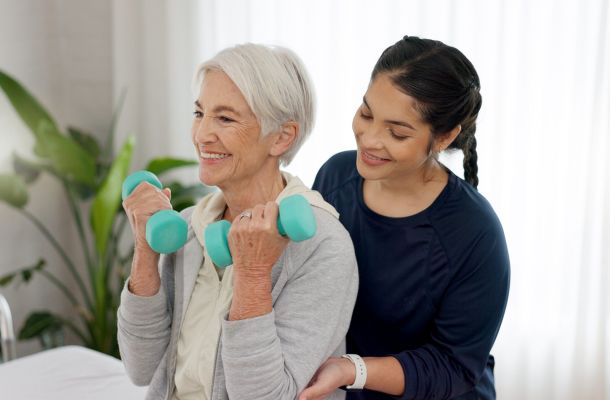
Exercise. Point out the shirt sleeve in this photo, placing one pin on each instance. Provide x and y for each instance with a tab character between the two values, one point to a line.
465	326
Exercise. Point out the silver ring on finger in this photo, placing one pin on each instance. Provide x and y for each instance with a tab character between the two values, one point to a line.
245	214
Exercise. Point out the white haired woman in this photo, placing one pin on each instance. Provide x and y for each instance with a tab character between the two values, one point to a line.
260	328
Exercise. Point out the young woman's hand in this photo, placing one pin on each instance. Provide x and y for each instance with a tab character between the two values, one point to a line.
333	374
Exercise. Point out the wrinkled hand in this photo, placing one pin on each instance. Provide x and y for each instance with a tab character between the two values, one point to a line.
142	203
334	373
255	243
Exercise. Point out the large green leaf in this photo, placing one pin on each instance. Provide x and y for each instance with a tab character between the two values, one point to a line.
13	190
91	145
108	198
88	142
160	165
28	108
67	157
30	170
38	323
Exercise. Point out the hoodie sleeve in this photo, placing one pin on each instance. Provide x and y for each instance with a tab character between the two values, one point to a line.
144	328
274	356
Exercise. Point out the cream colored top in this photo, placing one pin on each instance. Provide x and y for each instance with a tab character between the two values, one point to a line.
211	300
200	331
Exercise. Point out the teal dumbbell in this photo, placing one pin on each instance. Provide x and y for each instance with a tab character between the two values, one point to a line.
166	230
295	220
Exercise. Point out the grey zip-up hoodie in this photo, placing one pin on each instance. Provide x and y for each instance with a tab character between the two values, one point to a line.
273	356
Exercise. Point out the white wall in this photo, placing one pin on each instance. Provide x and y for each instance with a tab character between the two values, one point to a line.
155	52
61	51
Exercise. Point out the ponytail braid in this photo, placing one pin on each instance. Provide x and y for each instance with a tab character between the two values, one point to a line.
471	168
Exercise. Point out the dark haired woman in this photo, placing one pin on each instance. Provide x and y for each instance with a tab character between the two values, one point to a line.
434	267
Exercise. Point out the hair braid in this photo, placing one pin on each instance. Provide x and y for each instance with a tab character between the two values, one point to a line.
471	168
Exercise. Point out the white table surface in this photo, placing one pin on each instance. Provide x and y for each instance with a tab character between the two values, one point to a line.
67	373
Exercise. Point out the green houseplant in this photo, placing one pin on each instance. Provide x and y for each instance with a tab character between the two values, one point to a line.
91	176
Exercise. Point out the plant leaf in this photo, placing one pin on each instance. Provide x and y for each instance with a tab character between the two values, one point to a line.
37	323
67	157
186	196
13	190
6	279
116	113
86	141
28	108
39	265
25	273
197	190
28	170
161	165
84	192
107	200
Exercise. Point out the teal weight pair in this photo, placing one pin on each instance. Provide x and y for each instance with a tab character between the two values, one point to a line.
166	230
295	220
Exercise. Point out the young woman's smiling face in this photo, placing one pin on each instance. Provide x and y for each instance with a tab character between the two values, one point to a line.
393	141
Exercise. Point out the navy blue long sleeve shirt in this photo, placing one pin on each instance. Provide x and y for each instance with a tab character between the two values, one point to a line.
433	286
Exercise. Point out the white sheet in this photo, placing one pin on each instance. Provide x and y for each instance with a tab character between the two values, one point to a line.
67	373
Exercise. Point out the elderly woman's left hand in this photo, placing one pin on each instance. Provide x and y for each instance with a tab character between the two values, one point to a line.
254	241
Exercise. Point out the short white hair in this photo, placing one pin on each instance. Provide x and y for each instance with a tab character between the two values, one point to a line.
275	84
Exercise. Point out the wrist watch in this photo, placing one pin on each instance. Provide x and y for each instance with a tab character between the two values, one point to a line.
360	371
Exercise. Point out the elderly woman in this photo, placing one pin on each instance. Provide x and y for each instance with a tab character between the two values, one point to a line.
261	327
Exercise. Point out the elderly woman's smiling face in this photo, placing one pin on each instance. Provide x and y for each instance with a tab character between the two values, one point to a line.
226	134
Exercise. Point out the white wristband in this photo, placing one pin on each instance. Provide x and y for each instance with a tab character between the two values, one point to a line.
360	371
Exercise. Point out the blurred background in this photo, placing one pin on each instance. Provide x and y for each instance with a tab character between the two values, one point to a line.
543	138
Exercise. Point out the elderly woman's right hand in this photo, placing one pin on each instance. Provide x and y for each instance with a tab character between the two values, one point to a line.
141	204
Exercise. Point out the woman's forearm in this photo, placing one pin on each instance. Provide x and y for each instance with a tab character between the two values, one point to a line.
144	279
251	296
385	374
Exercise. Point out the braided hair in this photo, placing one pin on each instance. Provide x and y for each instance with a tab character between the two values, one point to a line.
445	87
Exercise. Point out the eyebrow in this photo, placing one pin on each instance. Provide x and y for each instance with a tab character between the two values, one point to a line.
389	121
220	108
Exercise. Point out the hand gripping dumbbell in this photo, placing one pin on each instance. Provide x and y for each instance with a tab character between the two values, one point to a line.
295	220
166	230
